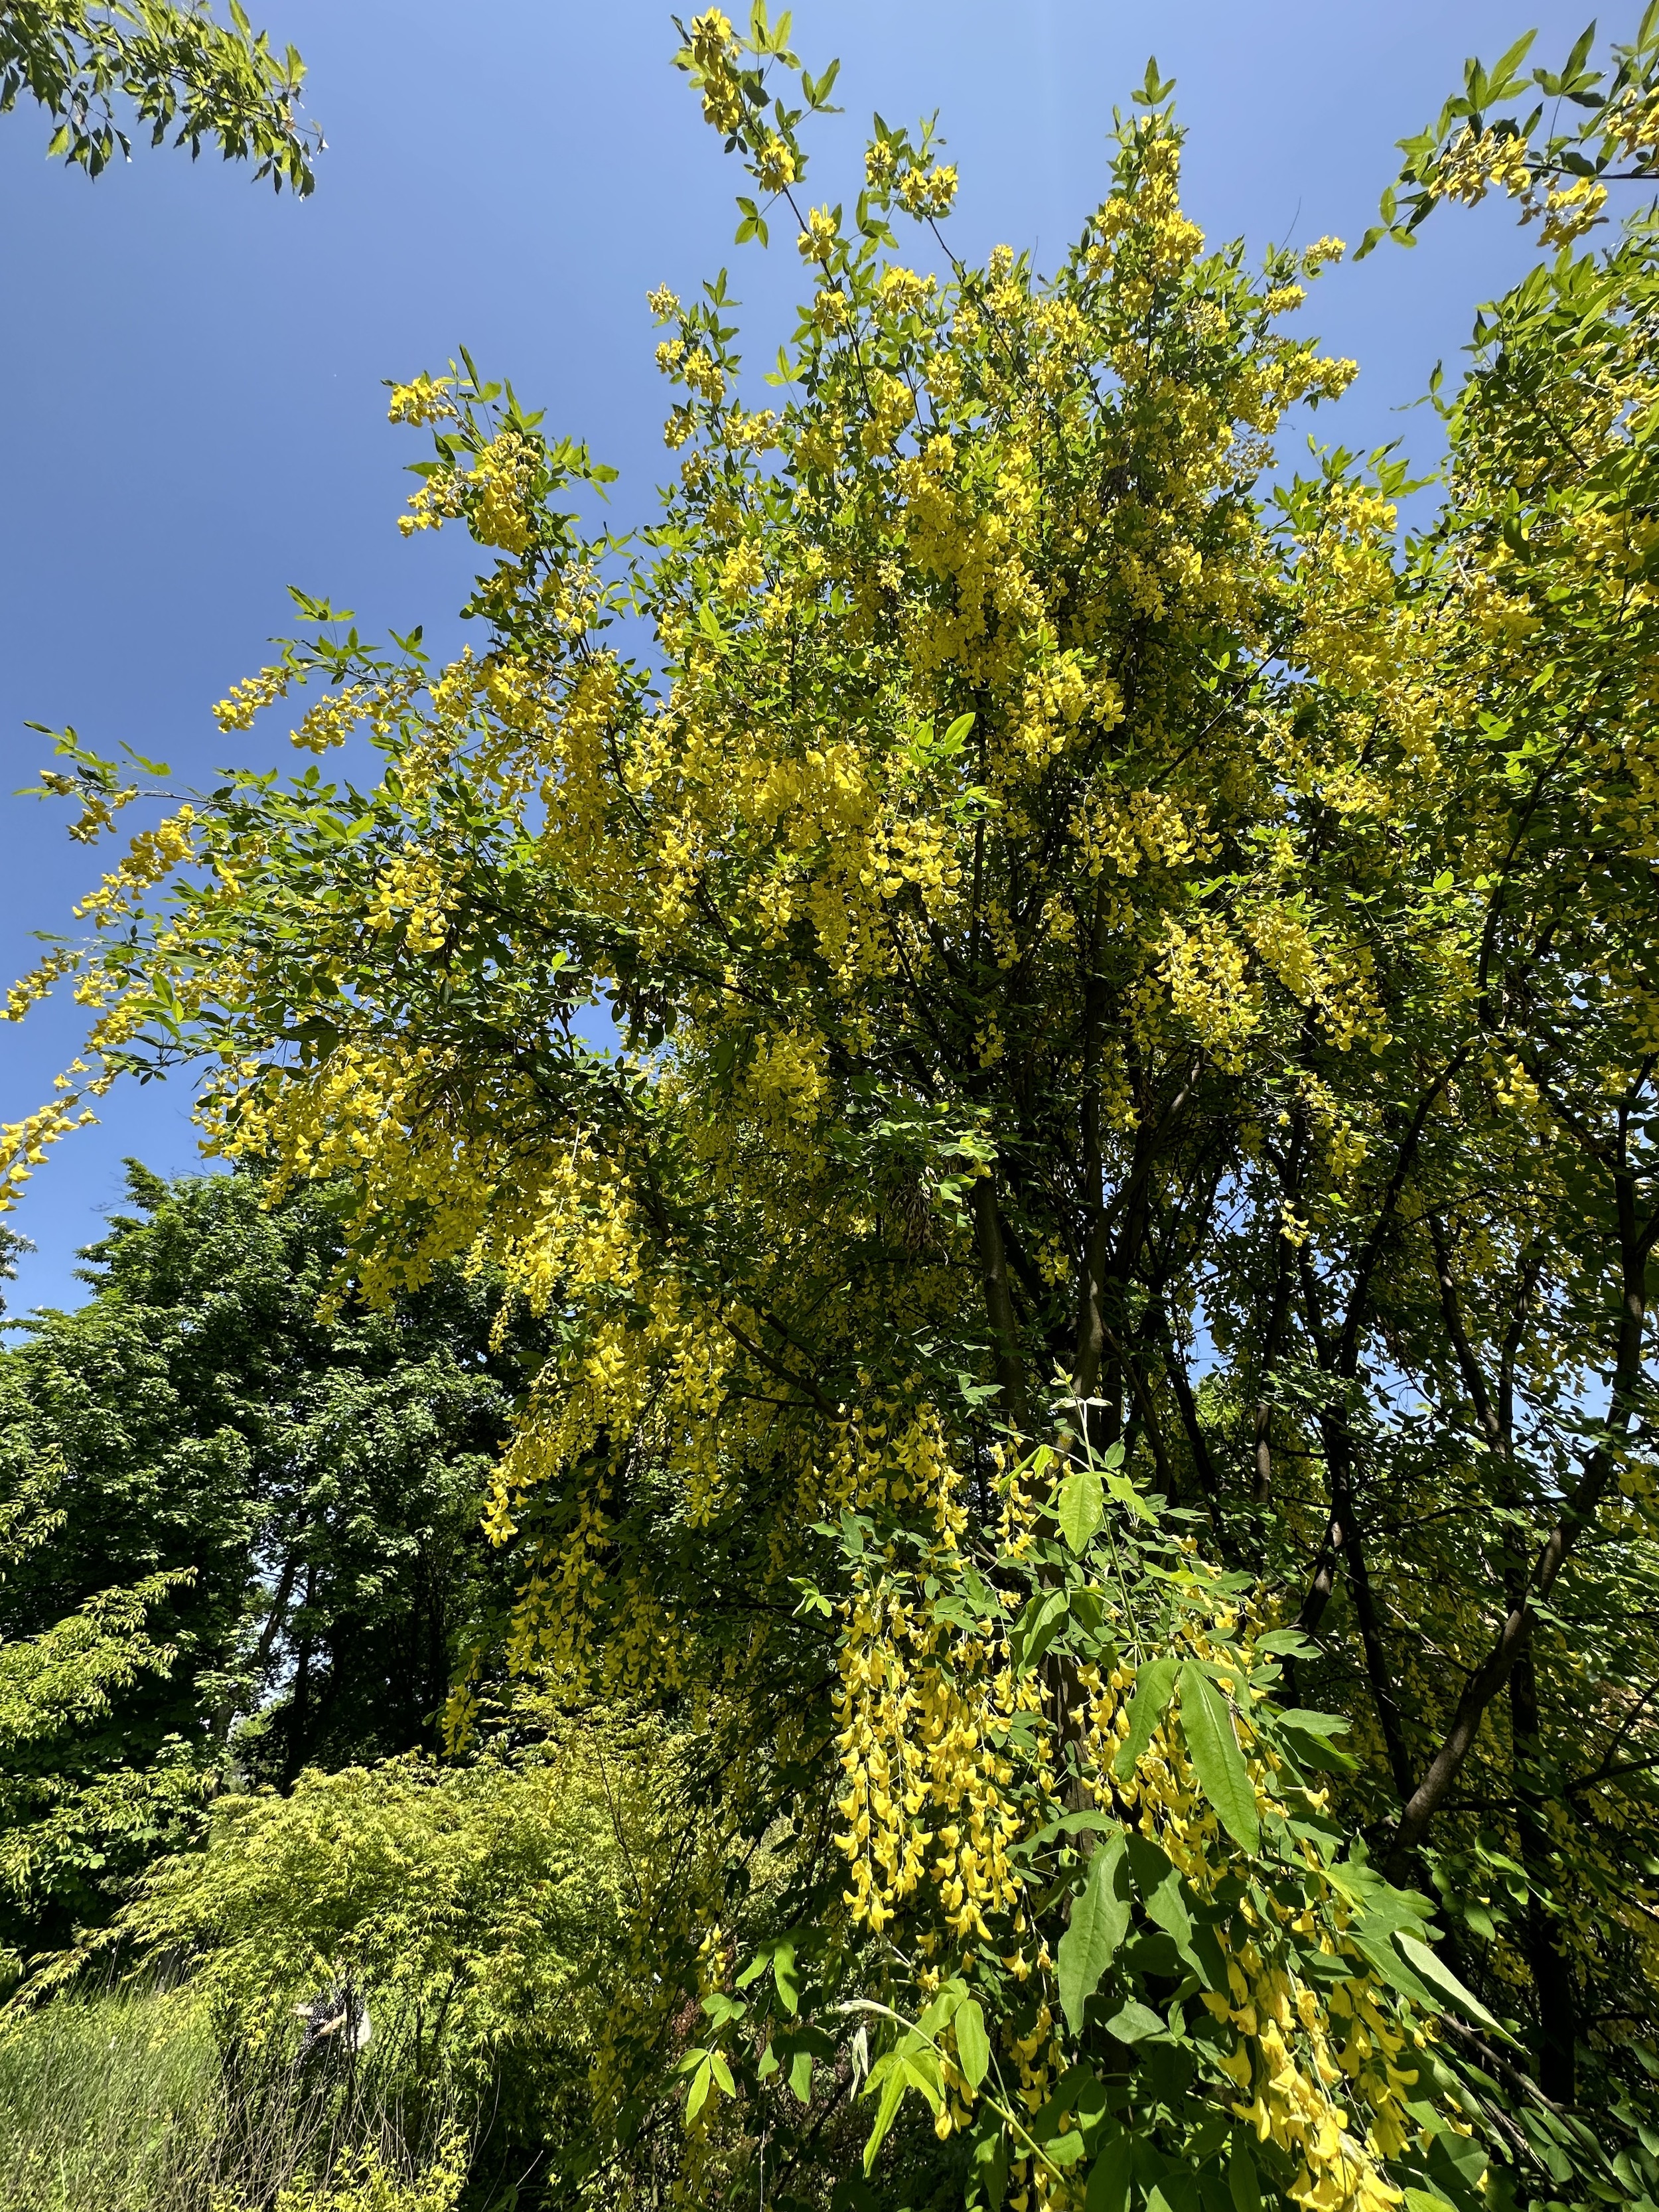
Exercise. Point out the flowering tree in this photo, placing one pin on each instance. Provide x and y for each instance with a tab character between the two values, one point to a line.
1125	1206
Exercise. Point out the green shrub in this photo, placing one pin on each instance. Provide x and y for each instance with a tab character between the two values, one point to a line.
498	1918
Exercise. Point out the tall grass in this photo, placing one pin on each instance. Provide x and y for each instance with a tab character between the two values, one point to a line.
124	2101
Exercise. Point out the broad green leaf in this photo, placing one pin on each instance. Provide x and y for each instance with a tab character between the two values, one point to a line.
1100	1915
944	2008
1441	1978
1125	1494
1159	1884
1082	1507
697	2095
973	2044
1217	1759
722	2072
1108	2178
919	2069
1385	1962
1242	2185
800	2075
1153	1686
1308	1737
1037	1626
991	2165
1286	1642
892	2093
1134	2022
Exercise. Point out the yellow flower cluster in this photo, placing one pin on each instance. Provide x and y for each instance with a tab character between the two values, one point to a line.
920	1736
927	194
500	486
1477	161
713	48
150	857
424	399
23	1144
237	709
818	241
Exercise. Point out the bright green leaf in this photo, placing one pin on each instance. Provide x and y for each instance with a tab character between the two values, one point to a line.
1153	1686
1082	1507
1100	1917
1217	1759
973	2044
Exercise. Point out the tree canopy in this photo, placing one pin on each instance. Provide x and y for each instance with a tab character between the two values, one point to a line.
1101	1350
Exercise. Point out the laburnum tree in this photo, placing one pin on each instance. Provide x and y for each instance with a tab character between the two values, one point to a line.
1102	1358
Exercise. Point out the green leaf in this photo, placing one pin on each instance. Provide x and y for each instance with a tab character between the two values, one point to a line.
1286	1642
1038	1624
1159	1884
1082	1507
1243	2185
722	2072
1064	2150
1217	1759
800	2076
1100	1915
1135	2023
697	2095
973	2044
1125	1493
1108	2179
1441	1978
920	2071
1153	1686
892	2093
991	2165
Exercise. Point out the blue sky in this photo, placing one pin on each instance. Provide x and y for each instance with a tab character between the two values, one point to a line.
192	367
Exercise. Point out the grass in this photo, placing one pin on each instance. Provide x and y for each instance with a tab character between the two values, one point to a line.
123	2101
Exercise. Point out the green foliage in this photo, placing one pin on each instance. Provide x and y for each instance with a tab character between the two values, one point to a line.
253	1529
496	1916
1590	129
174	64
107	2104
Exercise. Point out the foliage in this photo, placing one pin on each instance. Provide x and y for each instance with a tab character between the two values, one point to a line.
174	63
498	1916
1559	175
11	1246
69	1796
252	1529
1127	1205
104	2104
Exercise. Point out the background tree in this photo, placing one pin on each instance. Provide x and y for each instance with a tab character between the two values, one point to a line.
172	63
280	1509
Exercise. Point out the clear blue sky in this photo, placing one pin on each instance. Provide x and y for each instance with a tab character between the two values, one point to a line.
192	367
